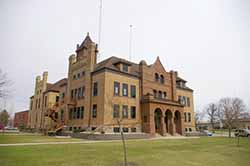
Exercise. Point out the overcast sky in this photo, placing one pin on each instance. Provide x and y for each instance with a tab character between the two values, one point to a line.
206	41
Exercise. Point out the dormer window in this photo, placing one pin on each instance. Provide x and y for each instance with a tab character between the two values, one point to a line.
125	67
156	77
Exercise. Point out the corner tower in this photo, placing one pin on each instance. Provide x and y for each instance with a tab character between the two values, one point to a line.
79	85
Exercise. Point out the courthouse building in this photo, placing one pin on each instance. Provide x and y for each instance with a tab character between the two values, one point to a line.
94	96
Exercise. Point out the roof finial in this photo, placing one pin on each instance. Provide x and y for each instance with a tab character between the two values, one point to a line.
87	33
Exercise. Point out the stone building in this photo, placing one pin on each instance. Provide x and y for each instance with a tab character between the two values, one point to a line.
146	98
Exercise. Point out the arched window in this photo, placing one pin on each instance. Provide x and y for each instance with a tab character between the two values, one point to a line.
162	79
164	95
160	94
156	77
155	93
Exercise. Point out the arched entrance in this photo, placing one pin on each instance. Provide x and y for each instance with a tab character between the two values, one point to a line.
177	121
168	118
157	118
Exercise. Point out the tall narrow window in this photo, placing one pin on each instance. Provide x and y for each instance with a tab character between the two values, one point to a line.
74	113
82	113
62	115
125	89
116	88
83	91
72	94
70	113
156	77
78	112
116	111
188	101
165	95
94	111
155	93
133	112
184	100
95	89
159	94
75	96
124	111
162	79
133	91
57	98
179	99
189	117
79	93
185	116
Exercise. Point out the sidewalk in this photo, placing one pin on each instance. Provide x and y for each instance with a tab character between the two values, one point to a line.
97	141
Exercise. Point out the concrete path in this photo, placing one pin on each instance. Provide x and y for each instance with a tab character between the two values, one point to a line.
95	141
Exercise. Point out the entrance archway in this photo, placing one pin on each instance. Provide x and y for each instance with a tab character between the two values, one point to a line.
168	118
157	119
177	121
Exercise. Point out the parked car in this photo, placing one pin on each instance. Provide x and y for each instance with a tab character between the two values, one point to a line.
207	133
242	133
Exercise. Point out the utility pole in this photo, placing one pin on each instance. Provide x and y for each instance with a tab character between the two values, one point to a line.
130	42
99	31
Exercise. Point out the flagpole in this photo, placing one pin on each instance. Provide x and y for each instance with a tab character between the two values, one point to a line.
99	31
130	42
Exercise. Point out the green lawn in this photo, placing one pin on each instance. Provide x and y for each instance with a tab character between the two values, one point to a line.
212	151
10	139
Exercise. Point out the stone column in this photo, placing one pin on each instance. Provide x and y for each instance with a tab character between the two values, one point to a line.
172	126
151	123
163	125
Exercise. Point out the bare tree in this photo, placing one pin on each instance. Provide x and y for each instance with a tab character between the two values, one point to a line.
4	85
198	117
211	110
230	110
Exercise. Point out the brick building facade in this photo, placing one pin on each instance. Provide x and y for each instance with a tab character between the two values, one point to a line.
21	119
147	98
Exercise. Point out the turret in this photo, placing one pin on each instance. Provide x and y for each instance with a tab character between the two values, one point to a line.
87	51
45	79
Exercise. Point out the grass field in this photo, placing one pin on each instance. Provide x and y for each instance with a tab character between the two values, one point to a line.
212	151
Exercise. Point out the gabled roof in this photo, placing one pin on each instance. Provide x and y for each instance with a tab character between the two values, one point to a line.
159	64
85	43
112	61
57	86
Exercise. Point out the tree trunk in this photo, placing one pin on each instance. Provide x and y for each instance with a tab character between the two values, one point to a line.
124	145
229	131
